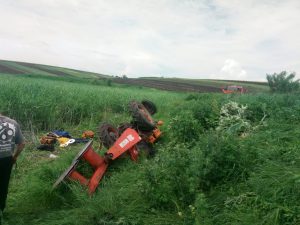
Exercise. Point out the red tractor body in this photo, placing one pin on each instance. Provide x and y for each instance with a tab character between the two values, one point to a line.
233	89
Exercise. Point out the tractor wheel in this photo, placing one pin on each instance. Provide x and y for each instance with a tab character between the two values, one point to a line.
147	148
142	119
122	127
150	106
108	134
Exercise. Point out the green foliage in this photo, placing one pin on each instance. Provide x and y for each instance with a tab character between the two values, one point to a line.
205	108
198	176
188	129
48	104
233	119
283	82
109	82
182	171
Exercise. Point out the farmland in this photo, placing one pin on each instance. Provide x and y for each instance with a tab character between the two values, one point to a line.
205	171
170	84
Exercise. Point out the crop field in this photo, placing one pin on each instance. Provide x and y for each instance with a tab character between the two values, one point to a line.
222	159
170	84
22	68
196	85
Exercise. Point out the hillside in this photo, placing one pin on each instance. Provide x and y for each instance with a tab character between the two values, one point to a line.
222	159
170	84
22	68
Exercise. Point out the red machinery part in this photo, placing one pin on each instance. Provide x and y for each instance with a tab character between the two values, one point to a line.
126	142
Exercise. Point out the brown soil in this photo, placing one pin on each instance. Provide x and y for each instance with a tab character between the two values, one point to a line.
167	85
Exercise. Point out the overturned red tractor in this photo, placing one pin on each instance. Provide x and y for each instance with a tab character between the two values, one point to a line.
130	138
142	122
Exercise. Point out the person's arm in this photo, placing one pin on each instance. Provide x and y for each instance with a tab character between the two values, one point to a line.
19	149
20	142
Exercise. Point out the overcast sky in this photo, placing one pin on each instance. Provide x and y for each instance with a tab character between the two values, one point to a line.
221	39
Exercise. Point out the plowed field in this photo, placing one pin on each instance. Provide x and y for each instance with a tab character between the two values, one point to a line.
168	85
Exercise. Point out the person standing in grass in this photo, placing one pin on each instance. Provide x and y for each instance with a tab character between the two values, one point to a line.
10	138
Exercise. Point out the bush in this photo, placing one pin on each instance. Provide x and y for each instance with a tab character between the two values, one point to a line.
183	127
180	172
205	108
283	82
233	118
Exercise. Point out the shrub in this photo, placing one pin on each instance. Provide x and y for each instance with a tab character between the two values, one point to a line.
205	108
183	127
180	171
283	82
233	118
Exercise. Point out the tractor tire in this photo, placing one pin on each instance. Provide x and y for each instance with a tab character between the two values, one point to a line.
147	148
142	119
122	127
150	106
108	134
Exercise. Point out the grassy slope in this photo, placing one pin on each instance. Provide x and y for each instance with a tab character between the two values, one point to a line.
46	104
45	70
197	177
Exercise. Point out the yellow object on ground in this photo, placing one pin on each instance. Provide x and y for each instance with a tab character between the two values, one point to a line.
63	140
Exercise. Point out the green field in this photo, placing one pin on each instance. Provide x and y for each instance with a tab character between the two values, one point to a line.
207	169
22	68
65	74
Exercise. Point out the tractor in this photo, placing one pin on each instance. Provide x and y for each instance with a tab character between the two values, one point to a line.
130	138
233	89
142	122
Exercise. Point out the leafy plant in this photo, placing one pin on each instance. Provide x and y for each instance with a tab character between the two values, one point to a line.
233	118
184	127
283	82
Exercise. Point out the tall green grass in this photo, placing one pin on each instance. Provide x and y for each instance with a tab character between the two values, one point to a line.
198	176
48	104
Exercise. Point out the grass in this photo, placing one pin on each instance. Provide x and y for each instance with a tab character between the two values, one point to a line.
45	70
48	104
198	176
66	74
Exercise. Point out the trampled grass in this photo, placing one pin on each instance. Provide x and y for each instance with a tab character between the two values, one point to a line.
198	176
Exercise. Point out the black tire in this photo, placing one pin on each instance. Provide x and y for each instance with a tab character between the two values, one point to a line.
150	106
108	134
122	127
142	119
147	148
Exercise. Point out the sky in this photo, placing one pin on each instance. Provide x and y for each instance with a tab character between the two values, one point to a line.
202	39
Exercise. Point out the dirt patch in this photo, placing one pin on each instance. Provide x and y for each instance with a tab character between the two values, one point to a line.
6	69
167	85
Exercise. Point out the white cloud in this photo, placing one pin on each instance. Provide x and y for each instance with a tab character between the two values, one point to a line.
158	37
232	70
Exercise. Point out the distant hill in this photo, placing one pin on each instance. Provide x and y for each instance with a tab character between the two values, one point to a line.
169	84
22	68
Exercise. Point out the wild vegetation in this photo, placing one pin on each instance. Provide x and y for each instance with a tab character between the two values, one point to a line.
283	82
223	159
